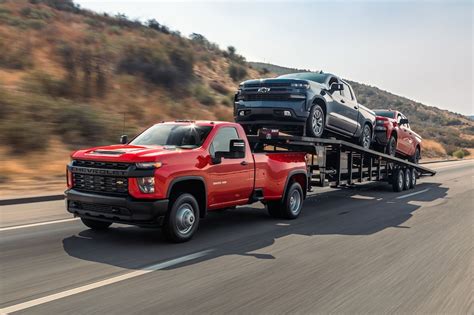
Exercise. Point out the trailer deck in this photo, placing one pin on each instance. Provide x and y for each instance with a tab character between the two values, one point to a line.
333	162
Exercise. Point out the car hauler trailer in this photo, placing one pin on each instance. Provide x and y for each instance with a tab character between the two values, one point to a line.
336	163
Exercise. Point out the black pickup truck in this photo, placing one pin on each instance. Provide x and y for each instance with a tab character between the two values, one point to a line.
309	103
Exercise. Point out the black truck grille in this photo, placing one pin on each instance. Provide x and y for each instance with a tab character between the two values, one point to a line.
101	184
98	164
269	97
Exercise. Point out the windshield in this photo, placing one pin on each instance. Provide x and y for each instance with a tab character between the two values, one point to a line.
316	77
385	113
183	136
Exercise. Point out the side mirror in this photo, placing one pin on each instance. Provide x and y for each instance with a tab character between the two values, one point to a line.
336	87
236	151
123	139
403	121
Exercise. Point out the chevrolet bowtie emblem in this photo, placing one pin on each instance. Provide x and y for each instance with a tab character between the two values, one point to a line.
263	90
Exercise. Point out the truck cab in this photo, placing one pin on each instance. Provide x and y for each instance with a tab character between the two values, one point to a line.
174	173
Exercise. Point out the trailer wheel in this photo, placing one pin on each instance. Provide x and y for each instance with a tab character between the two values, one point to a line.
398	180
182	219
290	207
407	179
95	225
414	175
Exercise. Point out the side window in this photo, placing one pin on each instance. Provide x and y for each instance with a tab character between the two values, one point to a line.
347	91
221	141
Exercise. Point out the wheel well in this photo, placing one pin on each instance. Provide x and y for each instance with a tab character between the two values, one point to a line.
194	187
321	103
301	179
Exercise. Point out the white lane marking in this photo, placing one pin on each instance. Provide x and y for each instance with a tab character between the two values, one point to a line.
413	194
457	164
145	270
36	224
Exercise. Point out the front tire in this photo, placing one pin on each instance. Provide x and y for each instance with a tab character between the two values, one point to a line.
182	219
316	123
289	207
365	139
96	225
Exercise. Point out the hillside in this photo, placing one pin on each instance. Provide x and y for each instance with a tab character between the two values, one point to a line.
444	131
72	78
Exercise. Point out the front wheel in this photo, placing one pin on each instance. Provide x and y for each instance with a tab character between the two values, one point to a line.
182	220
290	206
365	139
95	225
316	122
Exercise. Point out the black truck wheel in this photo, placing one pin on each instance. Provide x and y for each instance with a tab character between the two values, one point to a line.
398	180
414	176
95	225
316	122
391	147
290	206
365	139
415	158
182	219
407	179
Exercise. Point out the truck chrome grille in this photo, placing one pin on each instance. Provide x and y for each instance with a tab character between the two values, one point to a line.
267	84
101	184
268	97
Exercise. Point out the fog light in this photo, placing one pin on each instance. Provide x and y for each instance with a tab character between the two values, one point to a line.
286	113
146	184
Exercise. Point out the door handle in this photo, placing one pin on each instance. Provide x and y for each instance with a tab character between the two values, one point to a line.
356	107
244	163
342	101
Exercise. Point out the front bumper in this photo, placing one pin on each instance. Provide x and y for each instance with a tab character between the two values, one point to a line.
116	209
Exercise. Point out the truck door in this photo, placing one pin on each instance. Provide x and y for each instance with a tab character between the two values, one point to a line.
231	181
343	113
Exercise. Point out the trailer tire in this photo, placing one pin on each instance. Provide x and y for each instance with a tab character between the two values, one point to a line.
96	225
291	204
182	220
414	176
398	180
407	179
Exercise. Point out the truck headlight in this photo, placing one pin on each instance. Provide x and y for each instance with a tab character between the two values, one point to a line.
300	85
146	184
148	165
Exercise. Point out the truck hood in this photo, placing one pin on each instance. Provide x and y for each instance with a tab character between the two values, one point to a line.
127	153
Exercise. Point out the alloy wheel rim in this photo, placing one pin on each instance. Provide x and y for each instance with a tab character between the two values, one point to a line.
400	179
366	137
295	202
392	147
185	219
317	122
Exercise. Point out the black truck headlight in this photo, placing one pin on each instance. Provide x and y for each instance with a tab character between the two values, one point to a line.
146	184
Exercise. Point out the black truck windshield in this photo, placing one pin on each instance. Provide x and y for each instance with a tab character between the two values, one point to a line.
179	135
385	113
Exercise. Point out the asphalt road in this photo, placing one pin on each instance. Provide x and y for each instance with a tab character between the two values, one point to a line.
360	250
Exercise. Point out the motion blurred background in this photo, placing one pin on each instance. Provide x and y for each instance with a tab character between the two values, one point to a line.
72	78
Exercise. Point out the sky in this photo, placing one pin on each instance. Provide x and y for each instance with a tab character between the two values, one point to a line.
422	50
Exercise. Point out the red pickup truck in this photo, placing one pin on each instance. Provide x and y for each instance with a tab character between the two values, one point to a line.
173	173
394	136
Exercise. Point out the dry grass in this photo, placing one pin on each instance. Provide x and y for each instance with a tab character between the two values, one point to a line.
431	148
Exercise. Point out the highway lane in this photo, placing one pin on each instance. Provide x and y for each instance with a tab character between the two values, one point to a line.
352	250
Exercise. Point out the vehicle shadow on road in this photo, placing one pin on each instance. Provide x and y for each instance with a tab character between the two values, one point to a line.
246	230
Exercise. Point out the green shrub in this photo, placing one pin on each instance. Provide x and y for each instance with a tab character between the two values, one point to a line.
237	72
459	154
16	56
203	96
38	14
